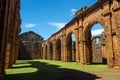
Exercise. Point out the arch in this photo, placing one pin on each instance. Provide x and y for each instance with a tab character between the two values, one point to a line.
90	25
58	49
91	46
71	47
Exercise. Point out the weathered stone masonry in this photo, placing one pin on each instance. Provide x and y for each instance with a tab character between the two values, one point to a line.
9	32
104	12
98	49
30	46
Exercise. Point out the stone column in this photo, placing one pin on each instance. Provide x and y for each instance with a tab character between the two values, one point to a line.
16	29
77	46
118	45
44	48
81	52
2	37
41	52
81	45
8	46
47	48
65	48
87	52
8	37
16	45
117	19
12	50
62	49
54	50
48	51
109	41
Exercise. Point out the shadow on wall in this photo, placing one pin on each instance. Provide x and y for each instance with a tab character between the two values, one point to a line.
23	52
46	71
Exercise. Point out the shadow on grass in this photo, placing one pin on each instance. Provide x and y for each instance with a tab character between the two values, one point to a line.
47	71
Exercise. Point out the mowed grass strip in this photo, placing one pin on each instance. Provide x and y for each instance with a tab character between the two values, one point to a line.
76	66
33	70
47	69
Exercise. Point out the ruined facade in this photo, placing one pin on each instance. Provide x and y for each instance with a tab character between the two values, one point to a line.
104	12
30	45
9	31
98	49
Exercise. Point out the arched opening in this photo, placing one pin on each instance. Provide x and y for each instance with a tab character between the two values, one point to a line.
51	51
95	44
71	47
58	49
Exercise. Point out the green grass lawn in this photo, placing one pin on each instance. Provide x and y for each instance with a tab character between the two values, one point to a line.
47	70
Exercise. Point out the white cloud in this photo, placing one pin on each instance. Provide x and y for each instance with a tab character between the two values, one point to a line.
30	25
97	32
58	25
73	11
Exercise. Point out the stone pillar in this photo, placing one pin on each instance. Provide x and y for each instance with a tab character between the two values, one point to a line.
41	52
44	52
115	49
8	39
6	22
65	47
54	50
2	37
12	50
62	49
87	52
12	56
109	42
117	19
10	32
81	46
16	45
8	46
118	44
81	52
77	54
109	51
48	51
16	30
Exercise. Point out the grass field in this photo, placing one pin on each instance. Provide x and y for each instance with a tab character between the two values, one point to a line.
47	70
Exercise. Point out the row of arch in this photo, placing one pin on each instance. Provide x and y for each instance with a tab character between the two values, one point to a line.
57	47
60	45
47	49
55	50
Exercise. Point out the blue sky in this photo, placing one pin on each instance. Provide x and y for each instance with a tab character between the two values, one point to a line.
45	17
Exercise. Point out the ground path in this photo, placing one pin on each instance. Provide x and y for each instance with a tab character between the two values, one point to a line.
79	75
